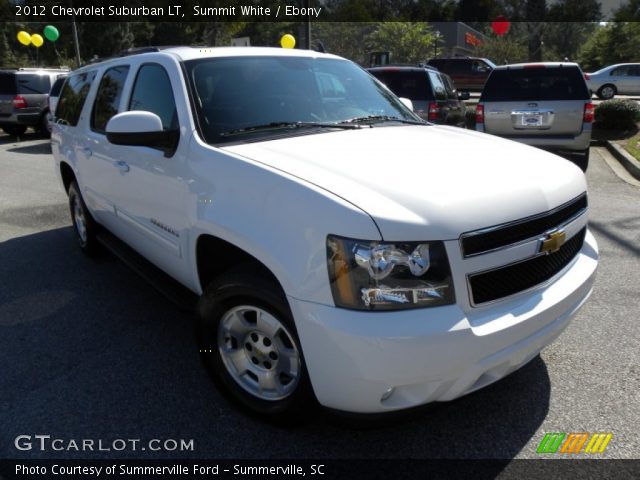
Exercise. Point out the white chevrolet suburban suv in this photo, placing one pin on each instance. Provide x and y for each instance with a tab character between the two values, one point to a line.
340	248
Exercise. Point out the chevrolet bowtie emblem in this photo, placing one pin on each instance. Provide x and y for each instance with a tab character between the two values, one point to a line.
553	241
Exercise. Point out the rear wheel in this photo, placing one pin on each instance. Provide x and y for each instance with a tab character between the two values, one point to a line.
248	342
44	126
582	160
15	130
83	224
607	91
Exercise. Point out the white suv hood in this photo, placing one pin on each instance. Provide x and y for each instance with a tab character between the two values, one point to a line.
425	182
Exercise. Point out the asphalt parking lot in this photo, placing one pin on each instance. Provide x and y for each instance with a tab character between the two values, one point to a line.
89	350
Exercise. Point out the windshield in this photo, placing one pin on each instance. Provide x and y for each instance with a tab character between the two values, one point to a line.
242	93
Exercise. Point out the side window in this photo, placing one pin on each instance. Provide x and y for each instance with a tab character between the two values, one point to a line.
620	71
448	85
152	93
438	87
458	67
74	94
108	97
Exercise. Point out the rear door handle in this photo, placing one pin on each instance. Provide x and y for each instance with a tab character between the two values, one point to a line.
122	166
87	151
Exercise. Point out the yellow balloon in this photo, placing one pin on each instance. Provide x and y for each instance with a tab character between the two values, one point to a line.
37	40
24	38
287	41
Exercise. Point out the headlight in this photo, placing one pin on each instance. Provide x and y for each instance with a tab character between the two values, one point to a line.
372	275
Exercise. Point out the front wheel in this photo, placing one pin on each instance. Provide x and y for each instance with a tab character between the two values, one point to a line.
248	342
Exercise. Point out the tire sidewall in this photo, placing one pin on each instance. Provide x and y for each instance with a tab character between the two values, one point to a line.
600	92
218	299
88	246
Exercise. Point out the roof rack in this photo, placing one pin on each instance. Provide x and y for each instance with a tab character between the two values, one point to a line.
408	65
34	69
131	51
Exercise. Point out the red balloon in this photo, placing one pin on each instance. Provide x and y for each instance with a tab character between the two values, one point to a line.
500	25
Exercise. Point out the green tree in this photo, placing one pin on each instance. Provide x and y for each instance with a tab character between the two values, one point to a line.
408	42
345	39
628	12
617	42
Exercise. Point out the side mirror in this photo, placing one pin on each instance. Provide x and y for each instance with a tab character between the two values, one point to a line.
463	95
407	103
142	129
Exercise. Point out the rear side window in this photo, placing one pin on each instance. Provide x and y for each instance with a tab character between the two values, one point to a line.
544	83
74	94
152	93
438	86
57	86
108	97
458	67
7	83
413	85
448	85
31	84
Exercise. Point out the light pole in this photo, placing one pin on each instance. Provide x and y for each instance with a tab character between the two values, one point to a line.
435	43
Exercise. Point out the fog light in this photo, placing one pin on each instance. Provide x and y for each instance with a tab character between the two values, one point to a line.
387	394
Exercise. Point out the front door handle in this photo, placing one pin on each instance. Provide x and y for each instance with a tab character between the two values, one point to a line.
122	166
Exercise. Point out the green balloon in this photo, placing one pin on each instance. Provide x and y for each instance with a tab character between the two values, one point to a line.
51	33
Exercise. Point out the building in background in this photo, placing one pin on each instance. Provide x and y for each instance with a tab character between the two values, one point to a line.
456	39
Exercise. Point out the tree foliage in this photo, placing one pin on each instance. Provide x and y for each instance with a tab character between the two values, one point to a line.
613	43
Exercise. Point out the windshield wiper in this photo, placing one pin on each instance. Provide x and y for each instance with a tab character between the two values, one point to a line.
371	119
287	126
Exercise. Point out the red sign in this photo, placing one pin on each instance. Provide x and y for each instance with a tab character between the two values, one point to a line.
500	25
471	39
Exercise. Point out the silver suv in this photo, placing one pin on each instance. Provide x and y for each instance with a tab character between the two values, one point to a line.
547	105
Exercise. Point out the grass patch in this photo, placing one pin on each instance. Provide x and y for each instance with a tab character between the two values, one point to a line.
633	146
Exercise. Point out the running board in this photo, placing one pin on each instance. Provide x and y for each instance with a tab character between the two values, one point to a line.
183	298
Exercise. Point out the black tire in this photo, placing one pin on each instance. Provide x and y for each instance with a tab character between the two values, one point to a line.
86	236
237	289
607	92
582	160
43	128
15	130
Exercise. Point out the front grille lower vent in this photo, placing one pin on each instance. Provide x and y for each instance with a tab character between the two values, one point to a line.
518	277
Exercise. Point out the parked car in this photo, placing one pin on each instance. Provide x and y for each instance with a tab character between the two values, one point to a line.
547	105
622	79
467	73
23	98
340	248
432	93
54	94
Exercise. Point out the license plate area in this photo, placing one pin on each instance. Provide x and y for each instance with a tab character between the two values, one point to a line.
532	119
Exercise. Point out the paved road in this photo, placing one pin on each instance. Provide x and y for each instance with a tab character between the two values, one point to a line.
91	351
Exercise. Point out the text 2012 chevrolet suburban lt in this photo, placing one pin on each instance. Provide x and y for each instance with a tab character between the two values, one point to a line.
342	248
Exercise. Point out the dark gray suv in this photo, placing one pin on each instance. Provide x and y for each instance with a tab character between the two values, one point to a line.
24	95
432	93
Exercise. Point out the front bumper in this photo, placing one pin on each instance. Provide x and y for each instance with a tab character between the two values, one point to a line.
434	354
